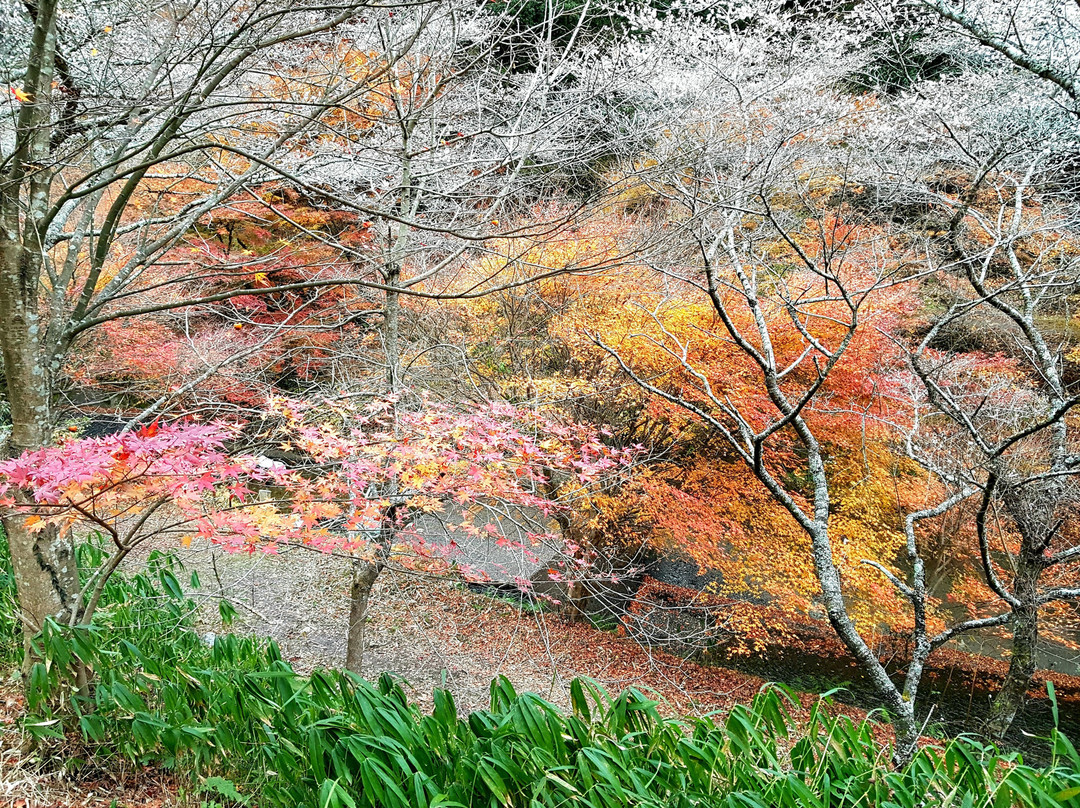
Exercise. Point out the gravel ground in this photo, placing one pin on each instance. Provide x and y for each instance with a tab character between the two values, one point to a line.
435	634
301	600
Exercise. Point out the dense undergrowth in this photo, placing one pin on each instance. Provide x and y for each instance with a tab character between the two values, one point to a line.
240	726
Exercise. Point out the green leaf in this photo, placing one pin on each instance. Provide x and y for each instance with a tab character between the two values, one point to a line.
227	612
494	782
332	795
172	586
578	702
1067	794
223	787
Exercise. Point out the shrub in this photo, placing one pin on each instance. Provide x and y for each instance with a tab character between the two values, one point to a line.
249	729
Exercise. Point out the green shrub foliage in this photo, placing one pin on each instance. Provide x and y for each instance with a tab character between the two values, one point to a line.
249	730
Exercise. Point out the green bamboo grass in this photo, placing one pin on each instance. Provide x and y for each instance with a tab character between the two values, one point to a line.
248	730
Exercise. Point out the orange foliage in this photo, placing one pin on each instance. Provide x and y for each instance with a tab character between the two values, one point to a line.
701	501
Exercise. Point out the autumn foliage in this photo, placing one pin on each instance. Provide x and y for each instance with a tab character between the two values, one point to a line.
352	476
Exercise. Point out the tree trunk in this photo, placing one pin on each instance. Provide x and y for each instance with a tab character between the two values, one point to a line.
364	576
392	335
43	562
907	736
1033	508
901	706
1010	699
46	579
365	573
577	602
